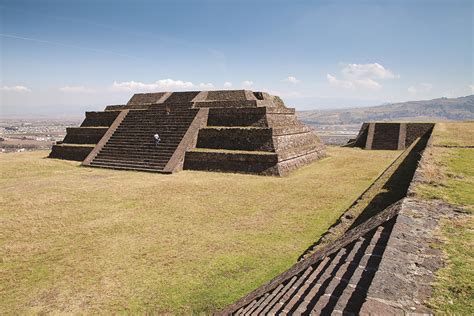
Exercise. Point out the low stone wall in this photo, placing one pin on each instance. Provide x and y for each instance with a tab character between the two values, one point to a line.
99	118
70	152
263	164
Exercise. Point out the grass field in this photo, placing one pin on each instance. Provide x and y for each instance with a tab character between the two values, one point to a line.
450	177
84	240
453	134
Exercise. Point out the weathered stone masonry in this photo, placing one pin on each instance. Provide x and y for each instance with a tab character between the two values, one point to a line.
230	131
389	135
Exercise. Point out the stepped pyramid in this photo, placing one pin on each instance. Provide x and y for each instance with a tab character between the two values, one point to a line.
229	131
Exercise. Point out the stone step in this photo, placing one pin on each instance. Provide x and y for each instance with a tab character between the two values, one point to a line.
277	294
129	135
313	284
151	164
125	163
159	157
337	283
128	167
147	153
143	143
144	147
279	306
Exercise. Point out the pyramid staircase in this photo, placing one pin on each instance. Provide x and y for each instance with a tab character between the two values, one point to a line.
132	145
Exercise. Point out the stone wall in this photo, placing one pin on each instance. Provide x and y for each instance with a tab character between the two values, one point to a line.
385	136
99	118
84	135
70	152
390	136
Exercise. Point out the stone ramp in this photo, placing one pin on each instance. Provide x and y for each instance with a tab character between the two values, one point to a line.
132	145
333	280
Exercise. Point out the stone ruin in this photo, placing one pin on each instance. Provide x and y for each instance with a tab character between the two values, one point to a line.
389	135
383	264
229	130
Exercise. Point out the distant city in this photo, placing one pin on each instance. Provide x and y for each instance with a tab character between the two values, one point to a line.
17	135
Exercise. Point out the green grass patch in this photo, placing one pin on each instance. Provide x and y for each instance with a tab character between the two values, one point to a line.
90	240
455	182
453	291
451	178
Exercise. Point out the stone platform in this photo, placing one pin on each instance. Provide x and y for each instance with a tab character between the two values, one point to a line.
228	130
390	135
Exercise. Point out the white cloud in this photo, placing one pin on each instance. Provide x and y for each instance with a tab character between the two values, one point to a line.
364	76
75	89
361	71
247	84
421	88
292	79
227	84
471	86
15	89
206	86
333	81
164	84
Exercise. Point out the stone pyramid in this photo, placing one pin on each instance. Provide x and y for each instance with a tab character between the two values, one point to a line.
228	130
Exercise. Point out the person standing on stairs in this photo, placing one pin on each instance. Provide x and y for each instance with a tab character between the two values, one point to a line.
157	139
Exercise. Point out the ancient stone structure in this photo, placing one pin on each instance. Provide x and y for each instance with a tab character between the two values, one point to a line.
384	265
229	130
390	136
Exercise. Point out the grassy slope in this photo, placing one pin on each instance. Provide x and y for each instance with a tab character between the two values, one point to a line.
76	239
451	176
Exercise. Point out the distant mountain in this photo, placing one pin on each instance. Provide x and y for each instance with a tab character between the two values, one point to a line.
431	110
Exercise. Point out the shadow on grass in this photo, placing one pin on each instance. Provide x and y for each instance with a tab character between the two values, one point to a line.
394	189
397	185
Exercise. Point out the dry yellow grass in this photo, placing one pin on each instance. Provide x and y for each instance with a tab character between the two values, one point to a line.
454	134
75	239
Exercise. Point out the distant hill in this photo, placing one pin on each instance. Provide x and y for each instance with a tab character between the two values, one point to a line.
437	109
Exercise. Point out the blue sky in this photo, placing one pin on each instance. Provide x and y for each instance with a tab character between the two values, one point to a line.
62	57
